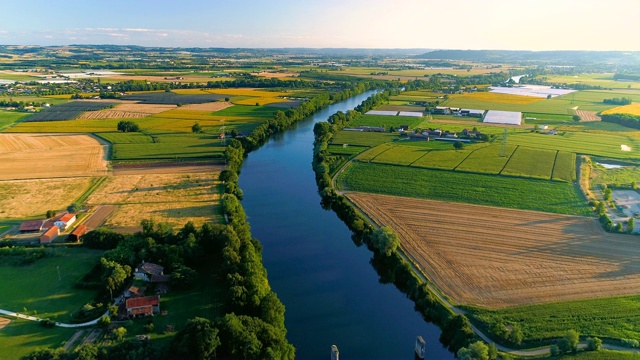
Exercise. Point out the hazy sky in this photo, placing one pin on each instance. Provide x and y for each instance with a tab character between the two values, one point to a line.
450	24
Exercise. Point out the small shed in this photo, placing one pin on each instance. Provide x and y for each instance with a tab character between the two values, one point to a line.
77	233
48	236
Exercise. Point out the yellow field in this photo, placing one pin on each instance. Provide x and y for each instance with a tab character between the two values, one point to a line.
26	198
167	197
633	109
249	92
500	98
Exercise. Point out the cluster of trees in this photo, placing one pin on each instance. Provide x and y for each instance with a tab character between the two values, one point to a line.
128	349
22	255
627	120
128	126
20	104
478	351
569	344
621	76
617	101
456	329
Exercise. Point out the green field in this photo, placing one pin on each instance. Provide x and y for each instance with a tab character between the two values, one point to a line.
264	112
348	150
605	318
605	80
8	118
38	288
565	167
362	138
562	105
529	162
386	121
487	160
526	194
444	159
371	154
621	177
601	355
170	146
401	155
21	337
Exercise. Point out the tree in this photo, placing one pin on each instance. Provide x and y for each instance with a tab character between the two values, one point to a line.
128	126
476	351
594	344
196	128
458	145
631	224
607	194
549	96
569	343
575	118
119	333
199	339
226	99
87	352
634	185
114	275
50	213
74	208
385	241
515	335
555	351
104	321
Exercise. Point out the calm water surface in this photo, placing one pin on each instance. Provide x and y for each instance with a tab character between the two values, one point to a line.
330	290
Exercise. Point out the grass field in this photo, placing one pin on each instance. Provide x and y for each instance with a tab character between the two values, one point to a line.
22	337
604	79
527	194
565	167
38	288
529	162
362	138
401	155
8	118
621	177
617	317
385	121
444	159
263	112
487	159
598	144
170	146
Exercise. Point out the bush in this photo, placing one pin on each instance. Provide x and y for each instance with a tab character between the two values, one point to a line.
594	344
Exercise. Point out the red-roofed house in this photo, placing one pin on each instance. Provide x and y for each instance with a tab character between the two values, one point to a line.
146	305
77	233
48	236
65	220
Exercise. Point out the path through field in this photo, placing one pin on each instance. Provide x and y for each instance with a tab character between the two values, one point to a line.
497	257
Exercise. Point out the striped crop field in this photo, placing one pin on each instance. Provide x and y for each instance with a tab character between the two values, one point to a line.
260	100
371	154
442	159
400	155
362	138
632	109
487	160
565	167
583	143
529	162
249	92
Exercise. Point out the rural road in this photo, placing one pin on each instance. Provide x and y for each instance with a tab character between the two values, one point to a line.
518	352
64	325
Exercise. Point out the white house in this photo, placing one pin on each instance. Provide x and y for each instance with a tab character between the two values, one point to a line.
65	221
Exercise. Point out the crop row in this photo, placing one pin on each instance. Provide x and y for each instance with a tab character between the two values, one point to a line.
68	111
527	194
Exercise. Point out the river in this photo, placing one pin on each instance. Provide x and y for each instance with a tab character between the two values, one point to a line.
331	292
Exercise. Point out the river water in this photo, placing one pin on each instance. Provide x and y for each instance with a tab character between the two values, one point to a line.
331	292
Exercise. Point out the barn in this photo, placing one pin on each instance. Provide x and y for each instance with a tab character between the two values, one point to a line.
48	236
31	226
503	117
77	233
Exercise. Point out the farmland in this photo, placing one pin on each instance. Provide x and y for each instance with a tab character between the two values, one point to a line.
385	121
515	193
362	138
8	118
171	98
126	110
529	162
633	109
70	110
31	156
496	257
175	198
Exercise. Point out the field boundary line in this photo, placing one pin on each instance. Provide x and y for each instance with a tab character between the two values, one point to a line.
423	155
390	147
465	158
555	161
508	160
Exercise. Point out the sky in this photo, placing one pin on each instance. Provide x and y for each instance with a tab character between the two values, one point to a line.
427	24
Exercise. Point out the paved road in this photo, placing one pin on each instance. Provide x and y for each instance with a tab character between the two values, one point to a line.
64	325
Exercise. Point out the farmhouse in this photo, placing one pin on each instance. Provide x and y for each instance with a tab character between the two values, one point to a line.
441	110
48	236
471	113
419	137
134	291
64	221
503	117
31	226
77	233
143	306
146	271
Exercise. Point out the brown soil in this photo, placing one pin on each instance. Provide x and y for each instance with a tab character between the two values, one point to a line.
99	216
496	257
588	115
184	168
127	110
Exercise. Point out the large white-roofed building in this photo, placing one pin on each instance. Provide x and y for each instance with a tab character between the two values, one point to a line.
503	117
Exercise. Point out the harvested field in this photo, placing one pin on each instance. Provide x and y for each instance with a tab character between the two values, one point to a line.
185	168
35	156
127	110
588	115
495	257
211	106
27	198
99	216
166	197
276	75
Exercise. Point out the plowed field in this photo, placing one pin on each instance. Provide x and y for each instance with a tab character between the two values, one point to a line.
37	156
496	257
127	110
